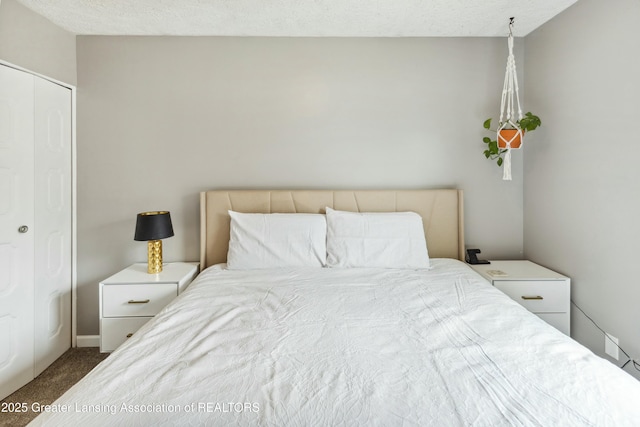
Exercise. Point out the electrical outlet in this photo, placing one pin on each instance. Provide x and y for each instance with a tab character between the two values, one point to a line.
611	346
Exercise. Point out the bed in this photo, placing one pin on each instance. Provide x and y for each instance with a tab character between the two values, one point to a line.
307	346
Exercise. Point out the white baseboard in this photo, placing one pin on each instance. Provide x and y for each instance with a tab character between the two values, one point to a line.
88	340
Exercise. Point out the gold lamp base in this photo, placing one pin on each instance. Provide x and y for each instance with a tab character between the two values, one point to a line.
154	262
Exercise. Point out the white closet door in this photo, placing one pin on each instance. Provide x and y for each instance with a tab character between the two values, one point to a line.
16	243
52	222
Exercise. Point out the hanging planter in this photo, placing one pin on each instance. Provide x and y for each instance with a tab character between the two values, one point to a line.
497	149
510	132
510	138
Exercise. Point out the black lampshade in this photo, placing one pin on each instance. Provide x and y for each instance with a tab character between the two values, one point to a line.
153	226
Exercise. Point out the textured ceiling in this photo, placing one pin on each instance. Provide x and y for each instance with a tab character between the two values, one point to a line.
299	18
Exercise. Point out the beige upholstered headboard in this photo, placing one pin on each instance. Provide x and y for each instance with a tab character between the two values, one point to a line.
441	211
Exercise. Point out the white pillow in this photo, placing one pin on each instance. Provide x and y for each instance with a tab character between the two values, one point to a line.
276	241
385	240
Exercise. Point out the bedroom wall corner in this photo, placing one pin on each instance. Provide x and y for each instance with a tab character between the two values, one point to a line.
581	176
32	42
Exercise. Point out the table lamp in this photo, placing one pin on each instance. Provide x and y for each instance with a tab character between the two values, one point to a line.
151	227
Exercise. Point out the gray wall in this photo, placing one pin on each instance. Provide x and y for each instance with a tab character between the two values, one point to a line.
582	180
163	118
33	42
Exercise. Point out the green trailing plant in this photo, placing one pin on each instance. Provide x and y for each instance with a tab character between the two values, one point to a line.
528	123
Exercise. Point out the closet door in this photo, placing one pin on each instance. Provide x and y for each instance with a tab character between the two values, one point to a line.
52	174
35	226
16	230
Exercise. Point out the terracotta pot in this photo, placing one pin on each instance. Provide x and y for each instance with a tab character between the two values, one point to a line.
513	135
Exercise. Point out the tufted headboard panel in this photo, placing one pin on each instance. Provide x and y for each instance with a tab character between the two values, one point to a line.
441	211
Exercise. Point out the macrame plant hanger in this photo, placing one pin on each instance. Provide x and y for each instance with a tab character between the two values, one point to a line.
510	98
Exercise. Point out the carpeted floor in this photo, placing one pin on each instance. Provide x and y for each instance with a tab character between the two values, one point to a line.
52	383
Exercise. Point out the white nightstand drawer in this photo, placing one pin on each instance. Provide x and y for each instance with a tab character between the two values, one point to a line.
547	293
537	296
136	300
131	297
115	331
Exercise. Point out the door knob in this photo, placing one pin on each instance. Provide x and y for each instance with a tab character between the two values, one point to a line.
23	229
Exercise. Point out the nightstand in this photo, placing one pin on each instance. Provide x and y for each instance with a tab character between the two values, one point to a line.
131	297
540	290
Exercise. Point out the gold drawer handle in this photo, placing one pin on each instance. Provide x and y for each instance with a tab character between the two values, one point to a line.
129	335
139	302
531	297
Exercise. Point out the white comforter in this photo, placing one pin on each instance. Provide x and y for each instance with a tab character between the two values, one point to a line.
326	347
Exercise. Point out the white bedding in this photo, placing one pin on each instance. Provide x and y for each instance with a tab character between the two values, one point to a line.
349	347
